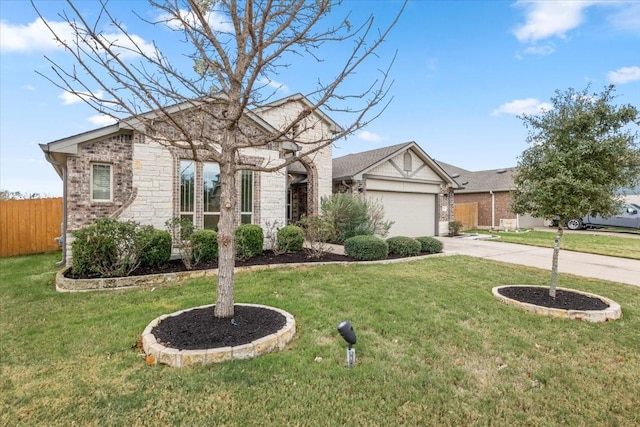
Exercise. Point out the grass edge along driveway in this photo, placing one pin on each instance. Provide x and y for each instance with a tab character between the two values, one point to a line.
434	348
599	244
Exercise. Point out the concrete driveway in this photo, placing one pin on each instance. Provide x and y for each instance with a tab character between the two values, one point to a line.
619	270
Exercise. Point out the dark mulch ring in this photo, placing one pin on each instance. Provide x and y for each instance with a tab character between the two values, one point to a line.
565	300
265	258
198	329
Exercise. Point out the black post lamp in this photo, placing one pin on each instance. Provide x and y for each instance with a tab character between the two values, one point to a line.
349	335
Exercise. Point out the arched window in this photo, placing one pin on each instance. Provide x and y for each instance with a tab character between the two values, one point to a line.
407	161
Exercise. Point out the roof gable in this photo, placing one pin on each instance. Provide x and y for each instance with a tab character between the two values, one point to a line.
354	166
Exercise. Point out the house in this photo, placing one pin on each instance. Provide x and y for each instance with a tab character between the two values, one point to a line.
117	171
484	197
416	192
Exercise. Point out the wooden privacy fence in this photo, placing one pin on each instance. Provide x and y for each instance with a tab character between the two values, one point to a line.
29	226
467	214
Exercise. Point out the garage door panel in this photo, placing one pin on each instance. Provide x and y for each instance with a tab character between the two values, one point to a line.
413	214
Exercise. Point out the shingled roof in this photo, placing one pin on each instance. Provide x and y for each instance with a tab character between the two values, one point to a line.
481	181
353	164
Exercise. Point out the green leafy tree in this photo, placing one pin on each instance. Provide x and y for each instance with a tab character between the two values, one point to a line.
581	151
237	49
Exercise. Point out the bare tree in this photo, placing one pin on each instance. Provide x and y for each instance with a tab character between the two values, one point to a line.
237	47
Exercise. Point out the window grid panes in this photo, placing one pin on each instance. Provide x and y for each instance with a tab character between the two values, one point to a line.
211	195
246	198
187	189
101	182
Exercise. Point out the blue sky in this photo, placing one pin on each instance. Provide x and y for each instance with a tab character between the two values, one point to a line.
464	71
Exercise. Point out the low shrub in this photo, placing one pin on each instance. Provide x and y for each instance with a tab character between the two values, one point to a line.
430	245
318	232
205	246
366	248
249	241
158	249
403	246
108	248
290	239
455	227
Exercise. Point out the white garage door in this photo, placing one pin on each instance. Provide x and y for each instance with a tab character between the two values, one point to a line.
414	214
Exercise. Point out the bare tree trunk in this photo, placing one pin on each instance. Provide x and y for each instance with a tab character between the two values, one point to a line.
226	236
554	264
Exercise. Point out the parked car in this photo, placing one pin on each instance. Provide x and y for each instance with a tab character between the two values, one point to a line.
628	217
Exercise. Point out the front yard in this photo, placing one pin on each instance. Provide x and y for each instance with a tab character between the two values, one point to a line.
434	348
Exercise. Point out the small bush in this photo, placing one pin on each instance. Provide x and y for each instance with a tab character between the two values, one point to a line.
290	239
455	227
318	231
205	246
181	229
403	246
366	248
249	241
430	245
158	250
354	215
108	248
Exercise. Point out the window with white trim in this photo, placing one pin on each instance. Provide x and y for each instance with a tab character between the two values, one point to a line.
187	190
101	182
200	193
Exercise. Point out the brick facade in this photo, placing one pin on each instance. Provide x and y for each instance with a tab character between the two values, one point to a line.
502	200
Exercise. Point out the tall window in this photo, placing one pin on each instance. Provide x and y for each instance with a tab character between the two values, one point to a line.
211	195
101	179
246	198
187	189
205	198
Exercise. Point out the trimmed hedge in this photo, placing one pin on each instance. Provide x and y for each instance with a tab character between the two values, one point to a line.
205	245
290	239
366	248
404	246
430	245
158	250
249	240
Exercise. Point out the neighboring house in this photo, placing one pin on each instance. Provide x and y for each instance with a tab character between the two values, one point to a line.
116	171
631	195
487	195
417	194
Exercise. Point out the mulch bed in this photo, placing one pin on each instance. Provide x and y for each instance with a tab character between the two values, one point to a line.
565	300
198	329
265	258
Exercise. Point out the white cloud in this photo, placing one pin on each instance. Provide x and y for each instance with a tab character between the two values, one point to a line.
36	37
280	87
32	37
216	21
547	49
546	19
522	106
69	98
31	88
102	120
627	18
624	75
369	136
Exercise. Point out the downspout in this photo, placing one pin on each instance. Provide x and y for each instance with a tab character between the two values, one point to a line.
493	210
63	236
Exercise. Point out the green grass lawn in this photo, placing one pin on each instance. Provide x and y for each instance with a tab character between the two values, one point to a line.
623	247
434	348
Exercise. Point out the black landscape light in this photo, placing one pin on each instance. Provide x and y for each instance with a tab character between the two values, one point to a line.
349	335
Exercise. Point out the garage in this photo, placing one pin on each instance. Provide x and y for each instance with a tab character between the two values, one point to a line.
409	183
413	214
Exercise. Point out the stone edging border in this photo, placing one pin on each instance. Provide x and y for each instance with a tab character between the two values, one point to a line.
64	284
611	313
156	353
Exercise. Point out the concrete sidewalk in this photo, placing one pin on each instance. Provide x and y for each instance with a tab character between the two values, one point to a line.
619	270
